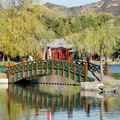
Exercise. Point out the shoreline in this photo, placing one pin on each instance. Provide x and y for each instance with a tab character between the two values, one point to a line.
3	78
109	63
4	64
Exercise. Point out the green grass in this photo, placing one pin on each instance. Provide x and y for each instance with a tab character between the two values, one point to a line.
111	62
5	63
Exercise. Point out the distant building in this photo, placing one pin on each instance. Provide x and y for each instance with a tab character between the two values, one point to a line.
60	48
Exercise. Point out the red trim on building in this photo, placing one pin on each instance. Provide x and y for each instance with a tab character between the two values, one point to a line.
60	53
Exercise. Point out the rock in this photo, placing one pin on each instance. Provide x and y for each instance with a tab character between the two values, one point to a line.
92	86
95	94
3	81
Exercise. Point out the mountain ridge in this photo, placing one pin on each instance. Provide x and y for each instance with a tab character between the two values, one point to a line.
107	6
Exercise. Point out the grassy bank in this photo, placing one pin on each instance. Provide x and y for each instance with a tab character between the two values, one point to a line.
2	75
109	62
5	63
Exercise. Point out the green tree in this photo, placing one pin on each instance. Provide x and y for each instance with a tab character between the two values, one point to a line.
103	40
60	29
80	41
22	33
76	25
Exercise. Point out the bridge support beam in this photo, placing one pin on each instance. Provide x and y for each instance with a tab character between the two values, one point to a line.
8	72
68	67
106	68
23	67
52	66
36	65
86	71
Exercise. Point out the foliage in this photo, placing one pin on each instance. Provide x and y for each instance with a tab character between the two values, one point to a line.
21	32
23	28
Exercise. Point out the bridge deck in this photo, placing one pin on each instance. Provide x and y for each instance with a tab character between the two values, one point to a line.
78	71
105	78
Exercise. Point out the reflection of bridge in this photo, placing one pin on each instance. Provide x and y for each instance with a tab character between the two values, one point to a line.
39	100
75	70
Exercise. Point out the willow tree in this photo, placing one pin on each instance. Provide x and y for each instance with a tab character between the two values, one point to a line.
103	40
22	33
117	47
42	14
80	41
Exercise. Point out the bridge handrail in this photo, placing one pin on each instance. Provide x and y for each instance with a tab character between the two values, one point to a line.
20	68
12	65
92	66
27	68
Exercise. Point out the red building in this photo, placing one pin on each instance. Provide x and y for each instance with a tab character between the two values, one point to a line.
60	49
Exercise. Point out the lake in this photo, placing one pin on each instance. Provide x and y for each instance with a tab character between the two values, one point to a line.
56	102
52	101
114	71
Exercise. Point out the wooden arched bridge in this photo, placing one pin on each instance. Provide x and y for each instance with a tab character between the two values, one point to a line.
75	70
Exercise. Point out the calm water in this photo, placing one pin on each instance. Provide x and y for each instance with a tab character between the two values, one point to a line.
56	102
2	68
114	71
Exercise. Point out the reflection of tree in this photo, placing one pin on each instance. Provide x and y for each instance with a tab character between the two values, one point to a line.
24	101
101	108
3	106
9	110
55	85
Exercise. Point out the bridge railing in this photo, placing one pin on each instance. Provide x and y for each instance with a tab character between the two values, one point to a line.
76	70
25	69
93	67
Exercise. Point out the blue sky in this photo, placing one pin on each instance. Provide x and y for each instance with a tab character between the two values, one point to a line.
70	3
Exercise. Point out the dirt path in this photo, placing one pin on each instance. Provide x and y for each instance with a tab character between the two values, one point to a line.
106	78
3	75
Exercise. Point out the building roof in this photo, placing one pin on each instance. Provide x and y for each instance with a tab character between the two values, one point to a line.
59	43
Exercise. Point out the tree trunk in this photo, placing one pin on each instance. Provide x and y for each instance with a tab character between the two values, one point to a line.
3	59
106	59
101	65
118	58
8	58
44	54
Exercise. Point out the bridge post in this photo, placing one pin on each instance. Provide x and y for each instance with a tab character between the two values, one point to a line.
68	67
106	68
71	56
8	72
23	67
36	65
47	68
52	65
62	69
74	73
80	79
86	71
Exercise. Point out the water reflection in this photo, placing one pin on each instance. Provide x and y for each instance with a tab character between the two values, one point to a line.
56	102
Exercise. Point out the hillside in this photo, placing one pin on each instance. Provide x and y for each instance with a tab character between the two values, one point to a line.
107	6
